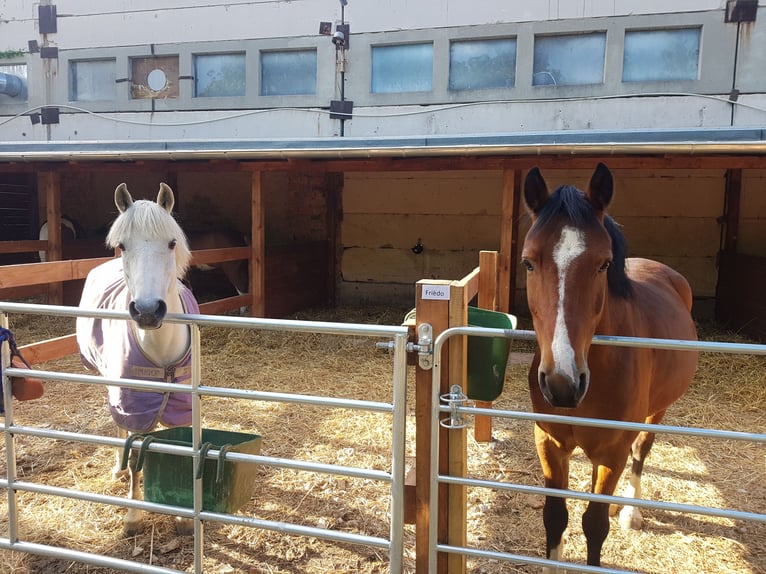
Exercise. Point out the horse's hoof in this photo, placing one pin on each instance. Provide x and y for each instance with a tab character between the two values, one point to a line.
133	529
631	519
119	473
184	526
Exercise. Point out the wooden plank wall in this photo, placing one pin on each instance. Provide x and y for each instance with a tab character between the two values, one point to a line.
751	238
453	215
669	215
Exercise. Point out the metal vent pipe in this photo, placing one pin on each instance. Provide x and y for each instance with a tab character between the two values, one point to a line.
11	85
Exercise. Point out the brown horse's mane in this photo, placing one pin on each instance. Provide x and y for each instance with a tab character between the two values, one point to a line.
570	203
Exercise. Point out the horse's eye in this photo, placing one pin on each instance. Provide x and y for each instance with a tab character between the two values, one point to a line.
121	246
528	264
604	266
172	244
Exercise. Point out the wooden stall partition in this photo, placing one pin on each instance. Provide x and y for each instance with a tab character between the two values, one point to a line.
50	183
258	247
488	299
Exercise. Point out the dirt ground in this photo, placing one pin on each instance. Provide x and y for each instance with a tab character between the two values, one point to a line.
728	393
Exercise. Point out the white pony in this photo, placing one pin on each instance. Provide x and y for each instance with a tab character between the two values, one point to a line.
145	280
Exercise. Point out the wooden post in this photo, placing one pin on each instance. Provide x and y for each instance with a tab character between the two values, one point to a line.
50	183
456	465
334	206
435	312
258	246
509	235
488	289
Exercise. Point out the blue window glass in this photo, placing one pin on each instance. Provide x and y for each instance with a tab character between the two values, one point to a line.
402	68
217	75
92	80
661	55
288	73
569	60
478	64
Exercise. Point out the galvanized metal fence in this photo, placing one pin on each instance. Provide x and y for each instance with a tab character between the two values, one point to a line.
394	476
455	411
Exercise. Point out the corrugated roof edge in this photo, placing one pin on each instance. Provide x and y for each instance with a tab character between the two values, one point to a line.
674	141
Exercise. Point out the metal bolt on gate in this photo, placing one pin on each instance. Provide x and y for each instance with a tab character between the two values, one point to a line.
455	399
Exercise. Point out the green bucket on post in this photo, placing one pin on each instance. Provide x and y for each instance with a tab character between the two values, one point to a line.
226	485
487	356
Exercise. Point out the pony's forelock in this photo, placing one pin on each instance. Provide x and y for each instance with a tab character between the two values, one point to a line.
569	202
148	219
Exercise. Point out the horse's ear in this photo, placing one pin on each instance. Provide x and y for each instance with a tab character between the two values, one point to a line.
165	197
600	188
122	198
535	191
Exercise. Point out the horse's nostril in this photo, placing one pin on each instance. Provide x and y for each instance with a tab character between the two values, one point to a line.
162	308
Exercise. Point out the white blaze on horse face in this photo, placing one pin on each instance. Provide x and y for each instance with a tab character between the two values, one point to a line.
571	245
155	279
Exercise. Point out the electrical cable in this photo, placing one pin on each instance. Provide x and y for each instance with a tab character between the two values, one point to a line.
436	108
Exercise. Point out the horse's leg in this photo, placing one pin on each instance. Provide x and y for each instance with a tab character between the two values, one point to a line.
117	470
554	459
595	519
630	516
134	516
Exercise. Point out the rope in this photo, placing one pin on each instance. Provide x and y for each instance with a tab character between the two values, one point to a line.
7	336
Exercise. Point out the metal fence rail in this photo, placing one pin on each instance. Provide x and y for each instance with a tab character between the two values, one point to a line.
397	336
437	409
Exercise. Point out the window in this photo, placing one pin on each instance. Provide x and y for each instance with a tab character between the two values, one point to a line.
661	55
92	80
402	68
154	77
569	60
13	85
478	64
218	75
288	73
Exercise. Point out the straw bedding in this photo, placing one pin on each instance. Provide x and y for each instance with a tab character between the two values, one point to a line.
728	393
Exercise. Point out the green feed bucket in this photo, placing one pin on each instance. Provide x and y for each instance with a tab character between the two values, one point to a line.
226	485
487	356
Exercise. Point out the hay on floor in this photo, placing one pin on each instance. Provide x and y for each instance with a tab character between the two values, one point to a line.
727	393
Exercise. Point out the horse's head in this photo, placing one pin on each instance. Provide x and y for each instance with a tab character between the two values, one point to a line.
574	255
154	252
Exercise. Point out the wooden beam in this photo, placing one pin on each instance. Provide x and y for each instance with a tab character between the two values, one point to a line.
219	255
731	209
333	220
582	160
23	246
508	237
488	288
25	274
50	183
49	350
222	305
258	247
435	312
456	464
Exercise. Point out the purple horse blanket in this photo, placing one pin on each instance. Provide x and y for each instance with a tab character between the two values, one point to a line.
109	347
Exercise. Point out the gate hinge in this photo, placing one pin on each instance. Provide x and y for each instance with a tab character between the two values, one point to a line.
424	347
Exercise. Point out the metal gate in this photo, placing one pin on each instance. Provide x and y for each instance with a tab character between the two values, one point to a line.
453	406
394	476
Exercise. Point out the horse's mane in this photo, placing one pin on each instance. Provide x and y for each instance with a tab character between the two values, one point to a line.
569	202
148	219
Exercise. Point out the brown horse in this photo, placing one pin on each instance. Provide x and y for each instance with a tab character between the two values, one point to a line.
580	284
